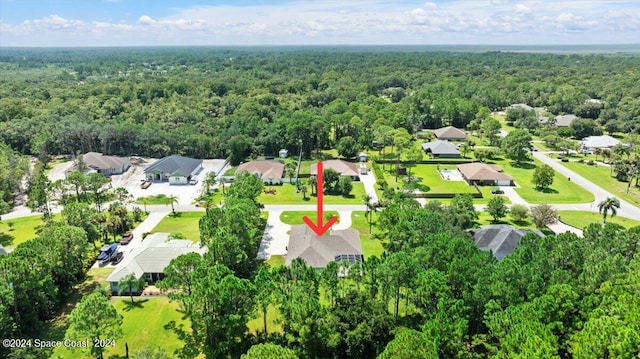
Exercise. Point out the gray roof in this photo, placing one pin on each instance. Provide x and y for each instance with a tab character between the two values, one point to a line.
523	106
153	256
319	251
605	141
501	239
99	161
440	147
174	165
565	120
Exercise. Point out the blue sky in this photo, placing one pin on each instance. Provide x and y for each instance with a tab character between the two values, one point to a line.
317	22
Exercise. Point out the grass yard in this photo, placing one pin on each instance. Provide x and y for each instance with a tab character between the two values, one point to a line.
256	325
275	261
485	218
295	217
600	175
581	219
24	229
370	245
153	200
430	180
561	191
143	325
185	223
286	194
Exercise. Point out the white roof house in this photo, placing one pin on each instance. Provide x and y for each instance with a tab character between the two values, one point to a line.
593	142
150	259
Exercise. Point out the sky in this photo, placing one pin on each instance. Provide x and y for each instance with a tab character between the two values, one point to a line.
317	22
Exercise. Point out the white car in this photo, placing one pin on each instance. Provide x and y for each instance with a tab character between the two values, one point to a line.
193	181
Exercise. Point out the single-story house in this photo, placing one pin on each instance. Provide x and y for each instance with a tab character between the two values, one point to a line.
103	164
283	153
450	133
149	260
3	252
270	172
318	251
523	106
175	169
484	174
592	142
565	120
441	149
344	168
500	239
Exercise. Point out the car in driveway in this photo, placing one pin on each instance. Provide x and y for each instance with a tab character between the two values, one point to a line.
117	258
497	191
126	238
107	252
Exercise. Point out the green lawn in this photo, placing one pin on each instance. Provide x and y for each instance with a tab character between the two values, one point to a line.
430	179
581	219
600	175
256	324
561	191
276	261
231	171
185	223
485	218
153	200
295	217
24	228
370	245
143	325
286	194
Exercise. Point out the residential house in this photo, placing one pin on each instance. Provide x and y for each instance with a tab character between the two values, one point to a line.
592	142
441	149
500	239
450	133
270	172
283	153
523	106
103	164
175	169
318	251
344	168
150	259
484	174
565	120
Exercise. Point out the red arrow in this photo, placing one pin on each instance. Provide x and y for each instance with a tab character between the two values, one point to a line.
319	228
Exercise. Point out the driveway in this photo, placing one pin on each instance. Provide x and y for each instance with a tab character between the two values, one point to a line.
369	182
276	236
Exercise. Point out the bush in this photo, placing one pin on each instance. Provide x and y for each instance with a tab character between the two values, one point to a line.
519	212
590	162
564	159
580	160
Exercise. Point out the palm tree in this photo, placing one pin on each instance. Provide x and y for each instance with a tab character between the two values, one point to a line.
303	188
290	169
313	182
597	151
130	283
609	204
173	199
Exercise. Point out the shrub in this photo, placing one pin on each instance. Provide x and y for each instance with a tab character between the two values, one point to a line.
564	159
590	162
519	212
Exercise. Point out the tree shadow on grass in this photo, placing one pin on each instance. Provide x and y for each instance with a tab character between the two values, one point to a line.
523	165
176	215
6	239
521	223
128	306
547	190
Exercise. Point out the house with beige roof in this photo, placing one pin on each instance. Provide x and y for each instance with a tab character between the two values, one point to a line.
344	168
450	133
150	259
103	164
565	120
318	251
270	172
484	174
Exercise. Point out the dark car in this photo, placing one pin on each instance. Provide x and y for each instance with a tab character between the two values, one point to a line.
126	238
117	258
497	191
107	252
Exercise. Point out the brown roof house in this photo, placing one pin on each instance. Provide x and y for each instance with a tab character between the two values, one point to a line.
103	164
565	120
484	174
450	133
318	251
500	239
270	172
344	168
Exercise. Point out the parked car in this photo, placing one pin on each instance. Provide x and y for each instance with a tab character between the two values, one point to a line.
193	181
107	252
497	191
117	258
126	238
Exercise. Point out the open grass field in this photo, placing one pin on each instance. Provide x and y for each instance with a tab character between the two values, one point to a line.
153	200
185	223
600	175
24	228
561	191
295	217
286	194
370	245
581	219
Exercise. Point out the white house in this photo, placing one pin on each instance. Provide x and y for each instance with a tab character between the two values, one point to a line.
592	142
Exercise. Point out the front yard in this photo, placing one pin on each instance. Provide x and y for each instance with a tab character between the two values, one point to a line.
581	219
295	217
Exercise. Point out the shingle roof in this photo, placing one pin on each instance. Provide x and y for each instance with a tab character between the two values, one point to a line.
319	251
478	171
501	239
440	147
153	256
449	132
344	168
605	141
266	169
523	106
174	164
99	161
565	120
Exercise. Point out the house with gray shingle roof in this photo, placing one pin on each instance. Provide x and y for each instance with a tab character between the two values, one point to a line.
149	260
175	169
441	149
103	164
500	239
565	120
318	251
